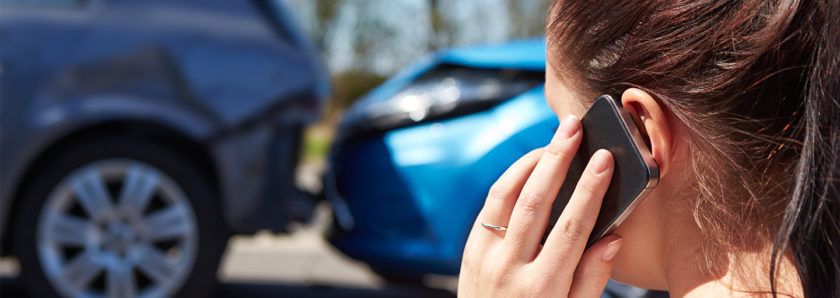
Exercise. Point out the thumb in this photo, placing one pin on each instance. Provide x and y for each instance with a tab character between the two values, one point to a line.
595	267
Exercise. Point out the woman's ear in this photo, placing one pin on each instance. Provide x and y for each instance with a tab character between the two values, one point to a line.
653	123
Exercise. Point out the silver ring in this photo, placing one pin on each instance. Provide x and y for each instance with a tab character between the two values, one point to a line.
489	226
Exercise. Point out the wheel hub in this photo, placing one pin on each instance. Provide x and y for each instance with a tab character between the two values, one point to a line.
119	236
121	222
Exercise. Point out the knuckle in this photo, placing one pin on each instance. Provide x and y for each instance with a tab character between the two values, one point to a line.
557	149
532	203
590	273
474	253
539	284
535	151
498	277
498	191
572	230
594	273
532	155
587	186
542	284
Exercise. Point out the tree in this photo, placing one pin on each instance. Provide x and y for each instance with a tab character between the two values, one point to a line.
526	18
442	29
326	12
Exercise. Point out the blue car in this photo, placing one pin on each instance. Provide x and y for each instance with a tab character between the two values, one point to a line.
412	160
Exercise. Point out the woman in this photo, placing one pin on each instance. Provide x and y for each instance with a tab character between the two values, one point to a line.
739	101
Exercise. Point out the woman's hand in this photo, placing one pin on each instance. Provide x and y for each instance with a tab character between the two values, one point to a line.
512	263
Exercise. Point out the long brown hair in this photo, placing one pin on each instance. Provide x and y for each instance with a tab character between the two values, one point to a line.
756	85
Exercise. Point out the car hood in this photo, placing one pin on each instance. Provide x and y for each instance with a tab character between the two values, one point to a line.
528	54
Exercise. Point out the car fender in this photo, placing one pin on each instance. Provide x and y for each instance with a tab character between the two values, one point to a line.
48	122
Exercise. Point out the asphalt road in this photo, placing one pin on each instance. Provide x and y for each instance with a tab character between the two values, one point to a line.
10	288
300	264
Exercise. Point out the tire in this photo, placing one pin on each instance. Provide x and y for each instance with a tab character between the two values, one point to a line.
72	242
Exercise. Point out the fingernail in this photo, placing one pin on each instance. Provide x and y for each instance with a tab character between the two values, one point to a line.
569	126
611	250
601	161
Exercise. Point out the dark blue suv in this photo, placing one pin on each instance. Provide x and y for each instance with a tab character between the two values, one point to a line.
137	135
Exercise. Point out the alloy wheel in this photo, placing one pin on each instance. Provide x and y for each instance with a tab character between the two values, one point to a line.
117	228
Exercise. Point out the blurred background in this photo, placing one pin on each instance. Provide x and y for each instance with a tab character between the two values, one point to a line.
224	148
364	42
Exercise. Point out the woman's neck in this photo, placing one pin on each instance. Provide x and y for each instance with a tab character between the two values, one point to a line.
738	274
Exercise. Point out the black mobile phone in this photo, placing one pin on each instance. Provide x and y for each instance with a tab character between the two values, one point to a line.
606	125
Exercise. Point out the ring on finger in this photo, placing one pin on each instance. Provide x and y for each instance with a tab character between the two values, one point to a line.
494	227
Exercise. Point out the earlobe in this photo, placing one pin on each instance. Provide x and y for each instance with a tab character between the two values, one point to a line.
652	121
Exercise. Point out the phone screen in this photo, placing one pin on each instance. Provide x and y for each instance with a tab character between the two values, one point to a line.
606	125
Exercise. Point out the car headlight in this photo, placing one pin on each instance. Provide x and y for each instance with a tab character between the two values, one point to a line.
445	91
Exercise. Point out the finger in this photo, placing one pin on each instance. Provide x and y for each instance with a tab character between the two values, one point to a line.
530	214
503	193
567	240
595	267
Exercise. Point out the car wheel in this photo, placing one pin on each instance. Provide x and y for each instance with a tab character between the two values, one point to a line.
121	218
